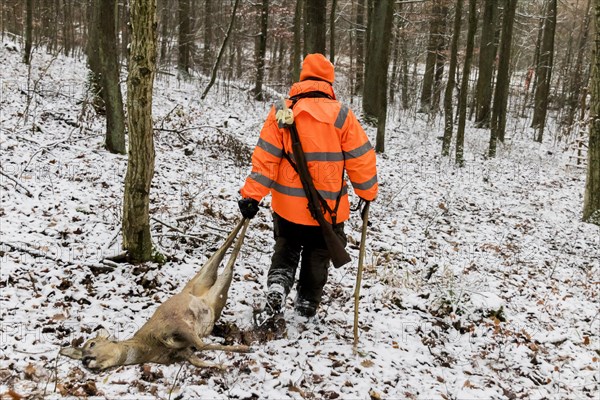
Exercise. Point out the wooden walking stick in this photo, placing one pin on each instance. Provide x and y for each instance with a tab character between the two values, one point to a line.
361	259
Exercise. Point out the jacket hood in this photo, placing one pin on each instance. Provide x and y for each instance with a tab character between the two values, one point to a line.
317	67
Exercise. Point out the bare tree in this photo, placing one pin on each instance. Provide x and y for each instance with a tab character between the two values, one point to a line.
110	76
332	15
448	112
499	106
359	29
28	32
184	39
591	198
297	50
376	71
261	50
487	56
315	27
137	239
464	85
544	71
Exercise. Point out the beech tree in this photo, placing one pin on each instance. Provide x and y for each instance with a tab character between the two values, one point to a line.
140	166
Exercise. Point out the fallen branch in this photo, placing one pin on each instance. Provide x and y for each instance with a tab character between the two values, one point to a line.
17	183
103	266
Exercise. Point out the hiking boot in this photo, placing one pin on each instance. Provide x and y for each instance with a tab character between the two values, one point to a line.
306	308
275	299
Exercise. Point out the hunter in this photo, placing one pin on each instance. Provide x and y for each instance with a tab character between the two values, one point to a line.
333	143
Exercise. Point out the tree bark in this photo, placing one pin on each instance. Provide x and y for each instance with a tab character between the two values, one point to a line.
360	47
28	32
544	72
207	61
93	56
261	50
140	167
464	85
448	112
332	31
487	56
591	198
111	89
376	73
297	51
213	75
430	60
315	27
498	123
184	39
575	79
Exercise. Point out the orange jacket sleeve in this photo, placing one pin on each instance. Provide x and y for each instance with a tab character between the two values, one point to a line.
265	160
359	156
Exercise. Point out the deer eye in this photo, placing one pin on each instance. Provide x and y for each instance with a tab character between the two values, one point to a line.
92	344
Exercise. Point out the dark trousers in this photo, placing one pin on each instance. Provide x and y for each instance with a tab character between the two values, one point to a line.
292	242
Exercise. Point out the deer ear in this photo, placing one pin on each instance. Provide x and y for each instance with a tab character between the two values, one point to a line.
71	352
103	334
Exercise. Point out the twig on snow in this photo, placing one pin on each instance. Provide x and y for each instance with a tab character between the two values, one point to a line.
17	183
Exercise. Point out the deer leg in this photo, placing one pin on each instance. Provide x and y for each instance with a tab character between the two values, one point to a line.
234	349
197	362
217	295
206	277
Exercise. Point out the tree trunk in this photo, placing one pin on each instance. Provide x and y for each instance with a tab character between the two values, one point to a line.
487	56
164	33
360	47
261	50
591	198
315	27
499	107
111	89
464	85
430	60
376	73
297	51
440	59
140	167
544	72
207	60
215	68
28	32
575	79
184	39
448	113
332	31
93	56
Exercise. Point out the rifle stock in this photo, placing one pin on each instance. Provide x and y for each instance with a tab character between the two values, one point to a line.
337	252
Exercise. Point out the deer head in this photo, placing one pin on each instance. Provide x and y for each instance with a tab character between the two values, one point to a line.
98	353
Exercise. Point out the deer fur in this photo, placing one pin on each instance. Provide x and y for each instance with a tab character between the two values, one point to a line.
174	332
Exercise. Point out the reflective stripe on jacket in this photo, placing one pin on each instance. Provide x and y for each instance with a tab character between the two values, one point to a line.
332	140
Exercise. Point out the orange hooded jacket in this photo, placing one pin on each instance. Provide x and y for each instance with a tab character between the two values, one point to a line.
333	142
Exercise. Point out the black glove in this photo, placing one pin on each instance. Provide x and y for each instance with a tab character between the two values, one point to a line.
248	207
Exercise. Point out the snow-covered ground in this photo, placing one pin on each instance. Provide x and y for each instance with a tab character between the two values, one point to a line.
480	282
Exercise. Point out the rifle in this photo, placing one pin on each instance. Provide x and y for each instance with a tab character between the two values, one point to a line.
316	203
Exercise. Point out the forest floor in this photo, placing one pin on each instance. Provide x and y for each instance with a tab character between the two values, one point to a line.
481	282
